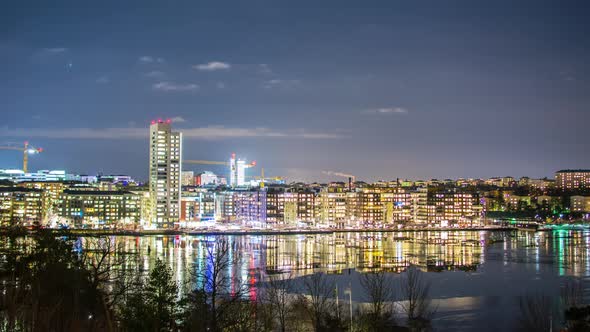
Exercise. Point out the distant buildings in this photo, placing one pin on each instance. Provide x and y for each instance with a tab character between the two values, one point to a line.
237	171
331	210
196	206
580	203
175	198
21	206
207	179
573	179
165	174
18	175
100	207
188	178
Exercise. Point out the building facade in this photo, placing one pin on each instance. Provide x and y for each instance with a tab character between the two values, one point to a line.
100	207
21	206
165	174
580	203
573	179
188	178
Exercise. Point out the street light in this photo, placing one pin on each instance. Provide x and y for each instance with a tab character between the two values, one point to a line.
349	291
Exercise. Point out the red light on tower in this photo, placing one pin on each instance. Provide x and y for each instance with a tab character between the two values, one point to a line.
40	150
153	121
26	142
233	155
254	163
159	120
168	121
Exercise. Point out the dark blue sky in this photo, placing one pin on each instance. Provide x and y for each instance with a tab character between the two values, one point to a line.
379	89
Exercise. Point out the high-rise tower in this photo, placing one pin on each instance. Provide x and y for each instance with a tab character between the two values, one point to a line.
237	172
165	174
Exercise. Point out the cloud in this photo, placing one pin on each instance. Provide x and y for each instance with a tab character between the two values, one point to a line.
155	74
145	59
212	66
103	80
47	53
212	132
387	110
220	85
264	68
177	119
55	50
175	87
280	83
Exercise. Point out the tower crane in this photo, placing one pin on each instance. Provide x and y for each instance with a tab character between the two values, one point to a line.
264	179
236	168
210	162
27	150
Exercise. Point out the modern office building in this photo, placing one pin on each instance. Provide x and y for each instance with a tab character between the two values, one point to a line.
52	193
165	174
21	206
237	168
573	179
224	206
100	207
17	175
250	207
197	206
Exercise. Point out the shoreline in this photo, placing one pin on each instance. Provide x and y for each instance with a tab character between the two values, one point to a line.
162	232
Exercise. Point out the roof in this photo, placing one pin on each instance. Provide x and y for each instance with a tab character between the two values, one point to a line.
97	192
19	189
574	171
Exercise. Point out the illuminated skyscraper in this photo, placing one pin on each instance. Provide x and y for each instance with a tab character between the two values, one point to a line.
238	167
165	174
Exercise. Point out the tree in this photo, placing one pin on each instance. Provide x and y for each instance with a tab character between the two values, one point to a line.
571	293
536	313
380	293
162	293
278	293
319	302
47	288
154	306
219	290
576	314
107	267
578	319
415	292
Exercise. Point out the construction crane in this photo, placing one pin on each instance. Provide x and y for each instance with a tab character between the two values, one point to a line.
263	179
236	168
210	162
205	162
27	150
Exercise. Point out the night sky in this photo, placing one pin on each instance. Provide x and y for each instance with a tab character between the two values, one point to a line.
379	89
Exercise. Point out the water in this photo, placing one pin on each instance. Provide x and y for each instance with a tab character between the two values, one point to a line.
477	276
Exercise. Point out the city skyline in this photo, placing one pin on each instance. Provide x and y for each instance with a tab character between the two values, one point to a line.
389	90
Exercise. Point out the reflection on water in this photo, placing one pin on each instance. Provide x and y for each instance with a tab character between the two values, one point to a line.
566	251
476	276
306	254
